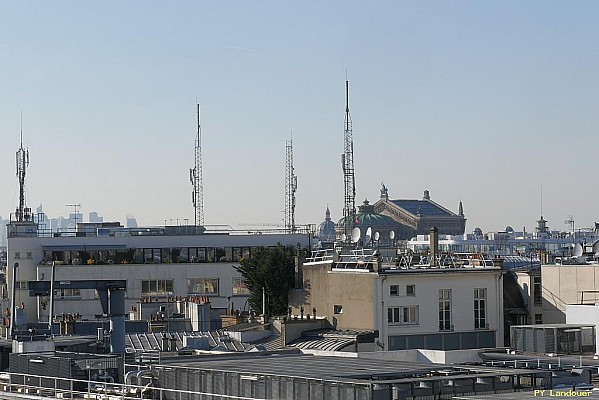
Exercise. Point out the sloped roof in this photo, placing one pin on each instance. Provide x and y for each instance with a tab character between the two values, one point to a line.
332	340
423	207
152	340
323	343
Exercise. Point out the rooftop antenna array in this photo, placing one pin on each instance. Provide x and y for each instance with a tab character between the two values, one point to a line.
347	163
22	213
290	187
196	177
75	211
570	222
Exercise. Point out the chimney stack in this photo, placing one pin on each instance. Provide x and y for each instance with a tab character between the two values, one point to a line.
434	246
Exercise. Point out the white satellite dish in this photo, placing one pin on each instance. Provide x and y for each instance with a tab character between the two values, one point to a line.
577	250
376	236
355	235
368	235
596	247
392	235
343	237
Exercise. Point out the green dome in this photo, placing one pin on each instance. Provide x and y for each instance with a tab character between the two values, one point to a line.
367	217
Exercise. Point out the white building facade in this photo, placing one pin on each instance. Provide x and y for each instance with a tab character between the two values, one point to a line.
441	309
438	307
154	264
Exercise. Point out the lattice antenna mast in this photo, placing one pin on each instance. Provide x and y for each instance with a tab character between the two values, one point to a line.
290	187
22	213
347	163
196	177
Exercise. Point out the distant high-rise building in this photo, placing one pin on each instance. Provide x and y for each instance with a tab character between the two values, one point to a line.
95	218
131	221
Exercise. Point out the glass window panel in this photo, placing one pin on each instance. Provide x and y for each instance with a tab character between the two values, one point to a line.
184	255
202	254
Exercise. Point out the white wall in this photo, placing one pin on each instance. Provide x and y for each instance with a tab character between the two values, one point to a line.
427	285
580	314
31	268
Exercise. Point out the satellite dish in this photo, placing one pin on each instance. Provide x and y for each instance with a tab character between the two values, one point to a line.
343	237
368	235
376	236
577	250
392	235
596	247
355	235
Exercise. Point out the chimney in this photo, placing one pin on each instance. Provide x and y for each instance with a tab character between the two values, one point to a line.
433	246
498	261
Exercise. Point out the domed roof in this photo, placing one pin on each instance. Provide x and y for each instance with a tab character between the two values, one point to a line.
326	229
367	217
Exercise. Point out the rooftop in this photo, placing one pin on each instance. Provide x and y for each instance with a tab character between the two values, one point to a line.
348	369
423	207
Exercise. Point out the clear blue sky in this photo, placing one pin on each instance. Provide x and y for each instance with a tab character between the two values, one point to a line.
480	101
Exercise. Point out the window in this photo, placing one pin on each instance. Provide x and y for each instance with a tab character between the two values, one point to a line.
410	290
537	290
17	255
393	315
407	315
239	287
29	255
538	319
21	285
394	290
480	308
338	309
157	287
67	293
445	310
202	286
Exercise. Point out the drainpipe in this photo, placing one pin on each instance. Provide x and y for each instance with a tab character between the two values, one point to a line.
13	314
52	278
383	324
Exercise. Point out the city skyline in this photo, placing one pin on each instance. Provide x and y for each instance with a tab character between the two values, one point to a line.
487	103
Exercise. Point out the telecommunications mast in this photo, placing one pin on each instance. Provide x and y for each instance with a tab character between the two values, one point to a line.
195	176
290	188
347	163
22	213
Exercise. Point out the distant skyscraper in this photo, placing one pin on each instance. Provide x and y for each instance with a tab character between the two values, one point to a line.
131	221
95	218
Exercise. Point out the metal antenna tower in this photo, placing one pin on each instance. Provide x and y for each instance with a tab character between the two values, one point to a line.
196	178
290	188
22	213
75	212
347	163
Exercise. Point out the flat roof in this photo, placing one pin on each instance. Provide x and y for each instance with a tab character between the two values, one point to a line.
334	368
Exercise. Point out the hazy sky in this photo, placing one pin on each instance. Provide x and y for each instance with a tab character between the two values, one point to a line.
481	101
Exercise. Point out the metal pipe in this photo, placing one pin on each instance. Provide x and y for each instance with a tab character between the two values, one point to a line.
52	279
12	315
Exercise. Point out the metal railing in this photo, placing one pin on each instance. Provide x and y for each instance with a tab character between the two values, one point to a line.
38	386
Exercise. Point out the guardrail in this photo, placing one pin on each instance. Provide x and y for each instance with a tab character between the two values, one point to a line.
37	386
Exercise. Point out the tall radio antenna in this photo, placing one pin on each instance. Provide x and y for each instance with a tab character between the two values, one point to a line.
22	213
347	163
196	178
290	187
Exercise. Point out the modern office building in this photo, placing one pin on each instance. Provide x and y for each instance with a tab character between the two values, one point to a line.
156	263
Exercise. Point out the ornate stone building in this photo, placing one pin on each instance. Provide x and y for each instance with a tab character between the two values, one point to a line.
326	230
417	217
368	218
